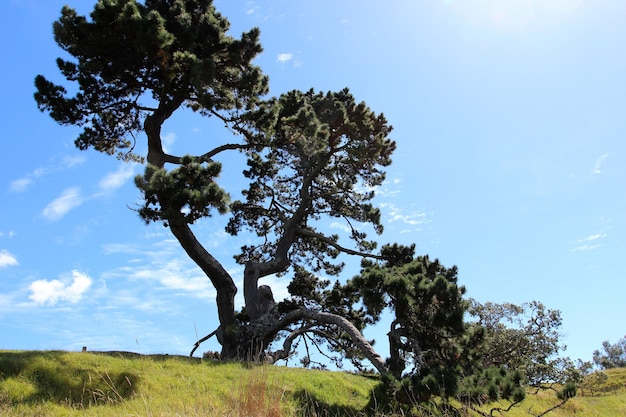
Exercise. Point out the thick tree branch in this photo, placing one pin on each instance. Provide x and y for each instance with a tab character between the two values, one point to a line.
220	278
332	319
330	242
280	262
207	157
285	352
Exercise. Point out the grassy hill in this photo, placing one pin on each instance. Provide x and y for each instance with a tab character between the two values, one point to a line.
53	383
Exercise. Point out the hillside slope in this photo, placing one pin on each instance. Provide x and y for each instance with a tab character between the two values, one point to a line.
54	383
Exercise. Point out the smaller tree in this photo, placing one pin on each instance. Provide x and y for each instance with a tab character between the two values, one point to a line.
611	356
522	337
521	348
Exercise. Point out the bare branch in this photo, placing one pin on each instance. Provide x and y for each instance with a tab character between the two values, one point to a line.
344	324
330	242
204	339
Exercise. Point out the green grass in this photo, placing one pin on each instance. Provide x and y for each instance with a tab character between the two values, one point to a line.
54	383
126	384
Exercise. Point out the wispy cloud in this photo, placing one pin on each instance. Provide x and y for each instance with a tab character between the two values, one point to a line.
22	184
44	292
387	189
584	248
114	180
8	234
72	197
174	274
165	268
7	259
592	237
282	58
597	166
396	214
60	206
341	226
163	264
588	243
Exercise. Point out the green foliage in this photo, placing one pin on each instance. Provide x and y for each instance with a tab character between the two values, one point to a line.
430	345
493	384
611	356
321	154
189	190
131	59
524	338
568	391
427	331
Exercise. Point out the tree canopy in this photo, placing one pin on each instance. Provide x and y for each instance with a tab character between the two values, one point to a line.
311	156
611	355
524	337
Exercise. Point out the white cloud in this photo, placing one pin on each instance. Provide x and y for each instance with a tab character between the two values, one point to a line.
72	197
174	274
51	292
72	161
282	58
164	264
592	237
341	226
396	214
60	206
115	180
6	259
597	166
585	248
167	141
21	184
589	243
386	189
128	248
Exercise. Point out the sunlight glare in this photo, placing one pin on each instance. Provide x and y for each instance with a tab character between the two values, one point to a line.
510	15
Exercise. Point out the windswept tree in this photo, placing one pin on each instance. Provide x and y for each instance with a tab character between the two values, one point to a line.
310	156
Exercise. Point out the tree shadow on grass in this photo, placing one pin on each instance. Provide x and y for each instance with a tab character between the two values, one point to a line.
35	376
310	405
377	406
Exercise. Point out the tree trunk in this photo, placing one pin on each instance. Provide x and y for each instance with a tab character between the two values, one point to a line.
229	333
223	283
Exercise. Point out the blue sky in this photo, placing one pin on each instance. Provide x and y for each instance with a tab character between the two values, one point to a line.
510	119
